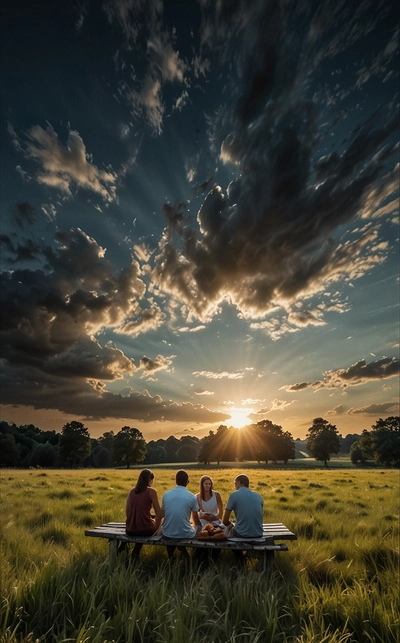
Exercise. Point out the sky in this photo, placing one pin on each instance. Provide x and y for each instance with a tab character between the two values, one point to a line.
199	214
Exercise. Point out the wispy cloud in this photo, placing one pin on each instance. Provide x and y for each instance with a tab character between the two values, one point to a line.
215	375
65	167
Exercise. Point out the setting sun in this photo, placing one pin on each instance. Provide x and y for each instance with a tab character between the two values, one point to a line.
240	417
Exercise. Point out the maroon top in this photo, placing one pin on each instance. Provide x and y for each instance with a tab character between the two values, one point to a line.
138	506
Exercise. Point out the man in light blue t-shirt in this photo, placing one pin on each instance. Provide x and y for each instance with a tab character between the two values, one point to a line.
248	507
178	506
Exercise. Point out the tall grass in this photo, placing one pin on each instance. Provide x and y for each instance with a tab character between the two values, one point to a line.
337	583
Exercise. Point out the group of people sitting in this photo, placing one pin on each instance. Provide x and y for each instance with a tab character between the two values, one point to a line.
184	515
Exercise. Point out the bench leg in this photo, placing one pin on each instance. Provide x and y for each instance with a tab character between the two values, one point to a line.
170	551
112	553
266	562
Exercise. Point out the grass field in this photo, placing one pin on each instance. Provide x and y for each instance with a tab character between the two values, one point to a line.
337	583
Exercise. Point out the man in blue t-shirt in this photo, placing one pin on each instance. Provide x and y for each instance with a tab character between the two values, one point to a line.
248	507
178	506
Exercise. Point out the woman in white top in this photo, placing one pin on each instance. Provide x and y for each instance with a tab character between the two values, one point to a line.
210	502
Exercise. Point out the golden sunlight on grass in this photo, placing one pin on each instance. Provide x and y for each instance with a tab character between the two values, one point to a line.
239	417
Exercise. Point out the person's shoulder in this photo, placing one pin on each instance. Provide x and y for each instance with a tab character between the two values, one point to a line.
259	495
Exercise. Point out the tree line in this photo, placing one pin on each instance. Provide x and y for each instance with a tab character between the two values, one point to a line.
28	446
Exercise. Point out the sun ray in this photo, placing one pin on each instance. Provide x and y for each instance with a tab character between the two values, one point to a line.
239	417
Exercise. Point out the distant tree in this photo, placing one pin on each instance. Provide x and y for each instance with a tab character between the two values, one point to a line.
49	436
347	442
101	457
106	440
385	439
362	451
155	452
356	453
9	453
43	455
286	449
75	444
322	440
205	453
171	446
223	444
129	446
267	441
188	450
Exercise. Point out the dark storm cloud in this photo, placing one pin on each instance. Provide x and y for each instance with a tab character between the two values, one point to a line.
50	356
23	213
89	399
21	250
359	373
269	238
50	316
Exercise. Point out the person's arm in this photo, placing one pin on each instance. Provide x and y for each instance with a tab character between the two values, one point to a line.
225	519
127	505
218	515
157	509
219	505
196	519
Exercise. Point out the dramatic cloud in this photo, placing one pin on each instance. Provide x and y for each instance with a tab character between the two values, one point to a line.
51	316
145	320
359	373
255	159
90	401
268	239
66	166
162	64
159	363
377	410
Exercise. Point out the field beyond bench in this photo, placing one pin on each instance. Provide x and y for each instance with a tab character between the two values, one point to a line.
265	547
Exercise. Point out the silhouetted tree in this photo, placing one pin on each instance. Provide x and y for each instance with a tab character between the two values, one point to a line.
129	446
155	452
189	449
385	441
322	440
347	442
205	452
171	446
75	444
356	453
102	457
9	453
43	455
106	440
268	441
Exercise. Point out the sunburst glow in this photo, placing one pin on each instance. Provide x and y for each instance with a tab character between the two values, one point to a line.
240	417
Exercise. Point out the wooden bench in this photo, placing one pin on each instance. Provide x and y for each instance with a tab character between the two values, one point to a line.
265	547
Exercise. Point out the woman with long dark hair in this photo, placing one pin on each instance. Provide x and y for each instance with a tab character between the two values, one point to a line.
141	499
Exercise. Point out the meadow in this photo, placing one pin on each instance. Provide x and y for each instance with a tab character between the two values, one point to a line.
338	582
